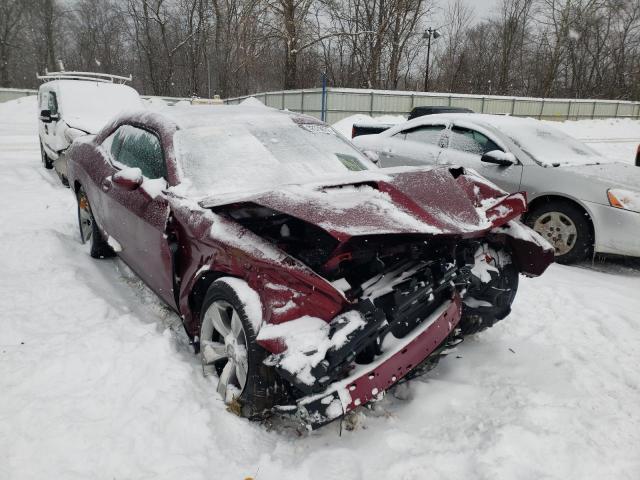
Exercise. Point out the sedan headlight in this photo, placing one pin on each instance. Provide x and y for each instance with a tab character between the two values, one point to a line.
625	199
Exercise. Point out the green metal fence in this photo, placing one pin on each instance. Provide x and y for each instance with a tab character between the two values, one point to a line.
343	102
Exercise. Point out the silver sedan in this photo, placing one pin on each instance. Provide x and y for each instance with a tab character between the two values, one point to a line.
578	200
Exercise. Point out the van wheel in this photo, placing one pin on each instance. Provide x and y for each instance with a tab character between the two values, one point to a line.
46	161
89	231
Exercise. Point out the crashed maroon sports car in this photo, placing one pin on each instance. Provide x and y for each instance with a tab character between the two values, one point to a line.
309	280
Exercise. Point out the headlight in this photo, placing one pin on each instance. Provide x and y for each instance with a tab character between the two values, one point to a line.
624	199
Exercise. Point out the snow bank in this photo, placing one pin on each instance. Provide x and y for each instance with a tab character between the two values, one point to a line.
252	102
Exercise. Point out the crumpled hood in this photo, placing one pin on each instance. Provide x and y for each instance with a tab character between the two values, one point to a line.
437	201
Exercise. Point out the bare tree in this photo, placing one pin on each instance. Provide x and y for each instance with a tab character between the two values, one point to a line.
12	13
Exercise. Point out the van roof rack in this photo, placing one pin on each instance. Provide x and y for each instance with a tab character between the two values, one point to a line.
89	76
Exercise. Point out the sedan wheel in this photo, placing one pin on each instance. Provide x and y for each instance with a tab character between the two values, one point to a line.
223	345
565	226
558	229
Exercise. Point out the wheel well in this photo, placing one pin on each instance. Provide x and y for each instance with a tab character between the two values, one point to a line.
537	202
199	290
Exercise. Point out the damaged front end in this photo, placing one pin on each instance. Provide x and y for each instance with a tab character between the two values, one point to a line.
412	279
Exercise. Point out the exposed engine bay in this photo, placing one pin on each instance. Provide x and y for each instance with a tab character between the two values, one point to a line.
394	283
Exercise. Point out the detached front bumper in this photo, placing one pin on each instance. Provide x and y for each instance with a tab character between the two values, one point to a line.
399	357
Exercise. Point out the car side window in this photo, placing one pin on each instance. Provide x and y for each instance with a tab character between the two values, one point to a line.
471	141
134	147
425	134
53	103
44	100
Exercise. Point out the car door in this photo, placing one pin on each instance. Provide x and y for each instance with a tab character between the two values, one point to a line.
415	146
136	220
465	146
48	130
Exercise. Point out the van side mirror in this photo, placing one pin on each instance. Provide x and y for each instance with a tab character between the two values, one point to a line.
47	117
498	157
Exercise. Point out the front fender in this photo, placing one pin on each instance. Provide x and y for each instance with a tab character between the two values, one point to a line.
531	253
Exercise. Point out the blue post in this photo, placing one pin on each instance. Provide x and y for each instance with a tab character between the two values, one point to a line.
323	113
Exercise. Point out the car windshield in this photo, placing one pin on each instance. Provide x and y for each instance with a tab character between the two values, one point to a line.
547	145
249	154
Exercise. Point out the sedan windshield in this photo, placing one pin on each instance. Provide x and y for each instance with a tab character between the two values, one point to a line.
546	144
258	153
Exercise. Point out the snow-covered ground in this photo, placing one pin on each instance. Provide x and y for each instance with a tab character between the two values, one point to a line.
97	380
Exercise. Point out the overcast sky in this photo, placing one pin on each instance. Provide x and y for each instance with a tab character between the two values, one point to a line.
483	8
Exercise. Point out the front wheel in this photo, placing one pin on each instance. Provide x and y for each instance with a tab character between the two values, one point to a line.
46	161
89	231
229	350
493	287
564	226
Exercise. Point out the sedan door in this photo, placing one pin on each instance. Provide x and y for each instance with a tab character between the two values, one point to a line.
465	147
416	146
137	219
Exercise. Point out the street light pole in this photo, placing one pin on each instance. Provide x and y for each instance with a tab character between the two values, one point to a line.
429	34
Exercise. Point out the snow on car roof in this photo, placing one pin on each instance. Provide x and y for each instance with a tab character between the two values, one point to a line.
547	145
90	105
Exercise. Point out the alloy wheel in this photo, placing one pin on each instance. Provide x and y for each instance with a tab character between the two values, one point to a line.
223	349
85	218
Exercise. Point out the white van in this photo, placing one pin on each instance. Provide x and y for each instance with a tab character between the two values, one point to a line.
72	104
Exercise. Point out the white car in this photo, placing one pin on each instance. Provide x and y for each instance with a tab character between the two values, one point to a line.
578	200
72	104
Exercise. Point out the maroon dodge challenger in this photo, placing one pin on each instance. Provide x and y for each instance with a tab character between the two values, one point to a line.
309	280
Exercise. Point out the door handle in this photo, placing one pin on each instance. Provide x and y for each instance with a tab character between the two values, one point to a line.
106	184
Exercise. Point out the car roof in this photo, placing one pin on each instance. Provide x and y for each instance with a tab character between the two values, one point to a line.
495	121
193	116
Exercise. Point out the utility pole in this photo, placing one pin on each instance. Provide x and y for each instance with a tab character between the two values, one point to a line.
429	34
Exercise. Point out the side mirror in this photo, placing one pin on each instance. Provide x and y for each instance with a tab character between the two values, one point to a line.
128	178
373	156
45	116
499	158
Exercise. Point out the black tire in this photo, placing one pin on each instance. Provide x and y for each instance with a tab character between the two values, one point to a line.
581	245
99	248
491	300
263	388
46	161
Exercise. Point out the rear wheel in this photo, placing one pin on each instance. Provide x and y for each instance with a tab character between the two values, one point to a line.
46	161
494	283
566	227
229	350
89	231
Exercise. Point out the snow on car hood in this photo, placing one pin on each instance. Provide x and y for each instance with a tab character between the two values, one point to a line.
611	175
409	201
